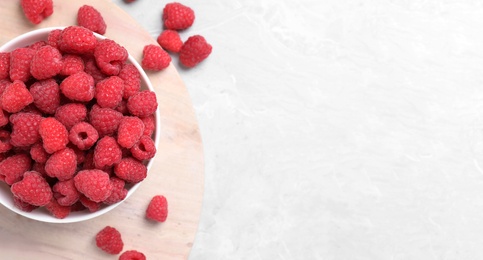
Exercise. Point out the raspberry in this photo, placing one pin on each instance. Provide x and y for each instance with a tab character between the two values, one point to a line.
57	210
155	58
3	117
94	184
46	94
4	65
130	170
149	124
118	191
78	87
37	10
170	40
15	97
33	189
4	83
54	135
194	51
38	153
40	168
79	154
66	192
89	204
107	152
130	130
25	129
22	205
122	107
83	135
132	80
78	206
157	209
5	144
92	69
62	164
143	103
109	240
144	149
110	56
90	18
177	16
104	120
46	63
71	64
37	45
71	114
54	37
20	60
13	168
109	92
89	160
78	40
132	255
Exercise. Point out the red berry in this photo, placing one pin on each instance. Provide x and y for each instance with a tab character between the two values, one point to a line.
170	40
4	65
132	254
32	189
57	210
177	16
129	1
38	153
20	60
54	135
46	94
22	205
5	144
130	130
77	39
90	18
46	63
94	184
54	37
66	193
71	114
110	56
144	149
62	164
104	120
15	97
149	124
132	80
83	135
130	170
107	152
157	209
92	69
78	87
13	168
143	103
71	64
92	206
194	51
122	107
109	240
155	58
118	191
37	10
109	92
37	45
25	129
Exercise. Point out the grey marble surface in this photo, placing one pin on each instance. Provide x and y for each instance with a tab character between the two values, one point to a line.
338	129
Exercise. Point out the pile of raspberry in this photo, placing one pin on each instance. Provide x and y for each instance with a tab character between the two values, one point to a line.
76	126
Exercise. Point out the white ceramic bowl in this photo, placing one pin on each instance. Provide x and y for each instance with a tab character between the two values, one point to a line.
42	214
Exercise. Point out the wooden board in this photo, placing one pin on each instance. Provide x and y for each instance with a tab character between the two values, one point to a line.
177	172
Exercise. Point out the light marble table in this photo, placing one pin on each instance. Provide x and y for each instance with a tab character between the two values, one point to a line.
338	129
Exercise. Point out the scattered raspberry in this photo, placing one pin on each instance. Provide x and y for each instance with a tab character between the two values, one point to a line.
132	80
20	60
38	153
71	114
78	87
22	205
107	152
46	63
62	164
132	255
25	129
94	184
4	65
118	191
155	58
104	120
170	40
46	94
177	16
109	240
144	149
37	45
143	103
15	97
66	192
83	135
130	170
71	64
92	69
92	206
78	40
14	167
54	135
194	51
57	210
157	209
130	130
149	124
37	10
32	189
109	92
110	56
90	18
54	37
5	144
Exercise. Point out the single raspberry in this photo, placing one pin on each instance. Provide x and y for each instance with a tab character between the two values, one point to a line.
157	209
5	144
20	60
90	18
37	45
130	130
155	58
132	80
118	191
54	135
104	120
109	92
149	125
15	97
54	37
25	129
46	94
38	153
4	65
109	240
66	193
122	107
78	40
22	205
46	63
143	103
78	87
107	152
194	51
92	206
83	135
132	255
37	10
32	189
62	164
177	16
130	170
92	69
170	40
71	64
57	210
110	56
144	149
71	114
94	184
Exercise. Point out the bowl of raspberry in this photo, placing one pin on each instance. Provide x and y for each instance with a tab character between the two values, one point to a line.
79	124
